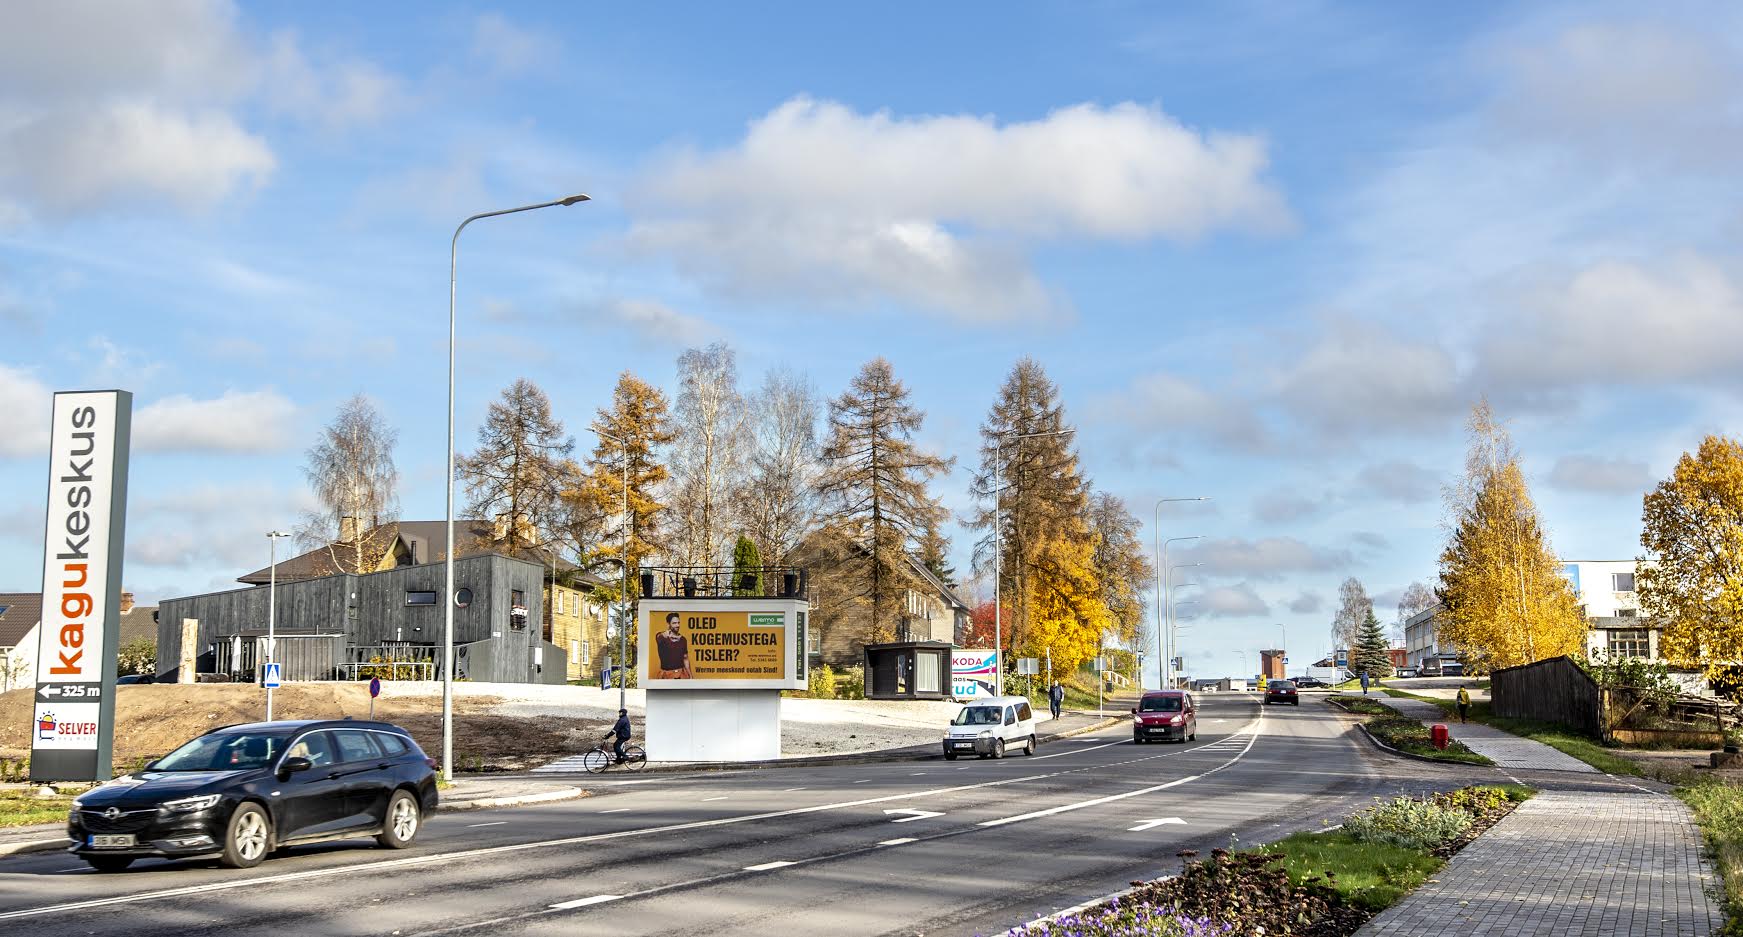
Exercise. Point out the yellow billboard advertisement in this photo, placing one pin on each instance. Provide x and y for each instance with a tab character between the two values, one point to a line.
714	644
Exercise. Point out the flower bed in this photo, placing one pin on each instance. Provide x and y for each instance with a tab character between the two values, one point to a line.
1308	884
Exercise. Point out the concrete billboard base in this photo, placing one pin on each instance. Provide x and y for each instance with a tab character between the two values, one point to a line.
714	725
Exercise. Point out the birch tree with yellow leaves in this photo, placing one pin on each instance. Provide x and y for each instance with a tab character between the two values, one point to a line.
1506	601
1693	530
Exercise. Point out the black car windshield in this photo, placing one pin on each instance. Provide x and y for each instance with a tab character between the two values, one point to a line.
224	751
979	716
1160	704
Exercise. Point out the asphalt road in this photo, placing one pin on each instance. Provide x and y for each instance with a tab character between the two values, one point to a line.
928	847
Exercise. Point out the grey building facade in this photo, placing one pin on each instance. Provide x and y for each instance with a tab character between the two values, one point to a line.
334	627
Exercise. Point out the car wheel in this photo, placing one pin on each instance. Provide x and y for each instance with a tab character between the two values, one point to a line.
1193	737
998	748
403	820
109	863
1137	739
949	756
1029	749
248	838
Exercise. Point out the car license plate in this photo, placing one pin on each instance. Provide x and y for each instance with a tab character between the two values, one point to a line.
111	841
962	744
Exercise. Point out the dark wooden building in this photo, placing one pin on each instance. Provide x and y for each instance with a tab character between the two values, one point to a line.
388	619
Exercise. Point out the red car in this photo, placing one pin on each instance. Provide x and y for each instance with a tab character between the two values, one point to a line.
1165	714
1281	691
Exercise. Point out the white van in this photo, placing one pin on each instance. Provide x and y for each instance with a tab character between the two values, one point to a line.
987	727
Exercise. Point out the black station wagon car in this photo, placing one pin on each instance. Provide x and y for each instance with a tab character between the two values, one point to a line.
241	792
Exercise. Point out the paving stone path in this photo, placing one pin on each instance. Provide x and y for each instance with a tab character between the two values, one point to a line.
1504	749
1569	864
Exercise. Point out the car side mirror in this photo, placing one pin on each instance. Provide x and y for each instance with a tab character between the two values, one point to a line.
151	765
292	765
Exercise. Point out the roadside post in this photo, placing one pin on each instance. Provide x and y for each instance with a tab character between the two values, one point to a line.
270	678
374	691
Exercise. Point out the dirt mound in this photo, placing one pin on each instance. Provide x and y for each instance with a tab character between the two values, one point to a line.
153	719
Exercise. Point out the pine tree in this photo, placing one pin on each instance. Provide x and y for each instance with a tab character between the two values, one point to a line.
521	469
874	489
746	563
1370	655
934	554
634	426
1506	601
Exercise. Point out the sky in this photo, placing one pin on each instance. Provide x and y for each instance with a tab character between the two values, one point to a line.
1271	253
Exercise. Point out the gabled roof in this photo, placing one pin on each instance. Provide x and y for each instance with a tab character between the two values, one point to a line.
23	611
412	542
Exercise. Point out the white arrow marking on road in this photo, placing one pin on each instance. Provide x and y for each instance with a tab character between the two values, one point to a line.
1147	824
916	814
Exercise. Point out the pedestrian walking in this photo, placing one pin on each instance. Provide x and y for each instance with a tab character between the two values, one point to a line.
1364	683
1056	698
1464	703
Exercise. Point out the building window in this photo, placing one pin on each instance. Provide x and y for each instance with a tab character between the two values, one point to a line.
419	598
463	598
1623	582
574	652
1627	613
586	652
1635	642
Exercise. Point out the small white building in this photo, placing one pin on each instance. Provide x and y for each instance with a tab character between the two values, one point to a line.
1611	607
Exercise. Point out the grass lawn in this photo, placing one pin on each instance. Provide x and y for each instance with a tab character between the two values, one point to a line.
1407	734
1370	875
1559	737
1718	808
24	808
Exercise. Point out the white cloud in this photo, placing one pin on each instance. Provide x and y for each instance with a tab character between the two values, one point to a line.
657	323
1264	558
508	49
1598	475
1236	601
1282	505
1401	481
253	421
1362	378
335	94
207	526
1307	603
1165	402
822	200
24	413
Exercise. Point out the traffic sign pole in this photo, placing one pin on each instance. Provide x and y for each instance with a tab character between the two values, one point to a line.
374	691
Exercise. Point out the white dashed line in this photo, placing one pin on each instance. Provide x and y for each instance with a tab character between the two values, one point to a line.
777	864
584	902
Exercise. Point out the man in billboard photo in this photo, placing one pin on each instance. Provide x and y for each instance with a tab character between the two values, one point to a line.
674	650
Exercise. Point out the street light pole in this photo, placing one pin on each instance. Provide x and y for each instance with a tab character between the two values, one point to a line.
272	538
1284	648
448	566
999	551
1162	574
1173	633
623	562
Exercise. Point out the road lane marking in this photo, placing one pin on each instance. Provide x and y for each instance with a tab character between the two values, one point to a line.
618	810
1064	808
1151	824
791	790
584	902
1076	751
912	814
474	826
777	864
707	799
916	774
863	781
898	842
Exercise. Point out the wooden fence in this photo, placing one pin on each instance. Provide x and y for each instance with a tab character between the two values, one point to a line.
1554	690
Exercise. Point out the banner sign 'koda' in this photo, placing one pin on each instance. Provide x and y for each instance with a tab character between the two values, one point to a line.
72	733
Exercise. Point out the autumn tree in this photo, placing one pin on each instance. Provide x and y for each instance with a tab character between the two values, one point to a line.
1353	608
352	473
1067	617
1417	597
633	427
521	468
1370	654
777	499
1691	580
1121	564
1506	601
874	490
1030	474
708	452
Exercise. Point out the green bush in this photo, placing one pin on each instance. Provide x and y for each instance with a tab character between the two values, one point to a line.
1410	823
137	656
821	683
850	683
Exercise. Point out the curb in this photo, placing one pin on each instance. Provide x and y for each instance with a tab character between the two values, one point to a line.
1400	753
880	756
35	845
485	803
1079	908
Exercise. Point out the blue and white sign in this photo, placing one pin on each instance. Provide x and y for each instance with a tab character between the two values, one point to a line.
272	676
973	673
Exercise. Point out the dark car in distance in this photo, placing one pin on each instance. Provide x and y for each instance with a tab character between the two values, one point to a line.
1281	691
1310	683
241	792
1164	715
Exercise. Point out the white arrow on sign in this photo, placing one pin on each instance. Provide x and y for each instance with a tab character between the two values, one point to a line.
1147	824
913	814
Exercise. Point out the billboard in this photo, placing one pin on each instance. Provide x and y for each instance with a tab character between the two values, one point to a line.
73	728
973	673
724	643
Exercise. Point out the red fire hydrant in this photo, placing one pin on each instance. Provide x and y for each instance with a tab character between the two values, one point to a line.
1439	735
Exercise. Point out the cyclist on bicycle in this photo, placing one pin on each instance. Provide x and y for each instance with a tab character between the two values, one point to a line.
622	731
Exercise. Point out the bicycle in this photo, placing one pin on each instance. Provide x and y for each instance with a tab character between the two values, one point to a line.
602	757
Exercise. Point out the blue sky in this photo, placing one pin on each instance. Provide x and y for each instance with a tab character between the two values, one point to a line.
1271	253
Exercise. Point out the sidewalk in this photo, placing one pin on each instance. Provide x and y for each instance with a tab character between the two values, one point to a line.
1567	863
1504	749
464	794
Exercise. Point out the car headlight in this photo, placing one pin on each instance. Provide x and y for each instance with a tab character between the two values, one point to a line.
191	804
986	733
